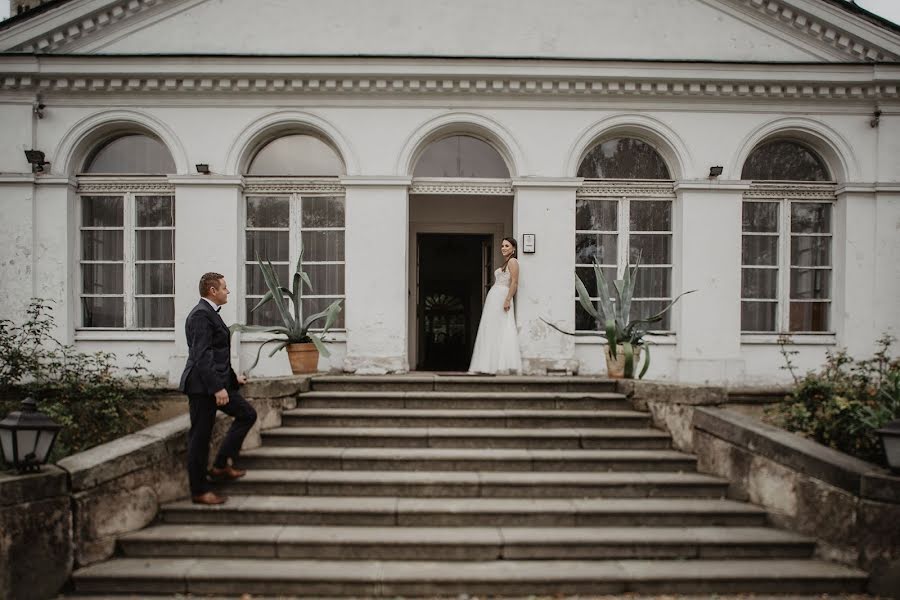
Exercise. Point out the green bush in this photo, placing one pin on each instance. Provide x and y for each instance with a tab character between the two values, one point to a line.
94	400
843	404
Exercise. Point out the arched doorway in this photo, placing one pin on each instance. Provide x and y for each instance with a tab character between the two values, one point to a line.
460	206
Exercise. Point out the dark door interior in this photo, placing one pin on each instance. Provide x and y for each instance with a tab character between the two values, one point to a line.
451	291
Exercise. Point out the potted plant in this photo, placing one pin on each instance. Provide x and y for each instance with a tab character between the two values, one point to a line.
294	335
624	336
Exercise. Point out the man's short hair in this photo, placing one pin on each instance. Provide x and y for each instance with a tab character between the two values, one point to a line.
209	280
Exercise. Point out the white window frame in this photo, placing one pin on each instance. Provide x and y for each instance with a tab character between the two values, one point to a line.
785	195
295	189
624	193
128	189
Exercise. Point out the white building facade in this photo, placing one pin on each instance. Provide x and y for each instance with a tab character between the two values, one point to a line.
398	141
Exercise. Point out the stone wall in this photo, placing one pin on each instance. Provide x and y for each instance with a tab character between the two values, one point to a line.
850	506
71	514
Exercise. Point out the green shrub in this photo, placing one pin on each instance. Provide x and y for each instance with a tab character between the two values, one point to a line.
94	400
843	404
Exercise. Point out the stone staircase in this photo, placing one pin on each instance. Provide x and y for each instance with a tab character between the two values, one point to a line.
440	486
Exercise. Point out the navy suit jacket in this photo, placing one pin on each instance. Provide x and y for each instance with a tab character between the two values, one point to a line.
208	368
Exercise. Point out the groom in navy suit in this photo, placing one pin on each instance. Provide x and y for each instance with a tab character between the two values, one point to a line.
212	385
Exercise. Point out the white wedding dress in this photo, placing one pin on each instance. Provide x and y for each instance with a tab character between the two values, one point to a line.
497	343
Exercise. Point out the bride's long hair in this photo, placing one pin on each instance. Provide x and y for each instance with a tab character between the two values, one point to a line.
515	253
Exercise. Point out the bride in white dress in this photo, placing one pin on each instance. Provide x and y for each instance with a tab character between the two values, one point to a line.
497	343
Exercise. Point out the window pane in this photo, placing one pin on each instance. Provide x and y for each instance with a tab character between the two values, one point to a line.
154	278
326	279
132	154
759	250
601	246
784	160
323	245
583	321
623	158
590	281
322	212
102	211
653	282
268	211
807	217
298	155
265	315
641	309
809	316
758	316
102	244
810	283
650	215
461	156
154	211
154	244
256	285
760	217
810	251
759	283
155	312
314	305
596	215
102	279
652	249
103	312
269	245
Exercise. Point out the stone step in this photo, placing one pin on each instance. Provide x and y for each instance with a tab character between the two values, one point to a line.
462	543
466	400
477	484
361	417
148	576
474	437
546	512
461	383
465	459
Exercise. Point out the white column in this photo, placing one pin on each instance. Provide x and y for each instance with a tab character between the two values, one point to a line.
377	278
887	259
545	207
853	314
208	237
16	244
707	258
54	262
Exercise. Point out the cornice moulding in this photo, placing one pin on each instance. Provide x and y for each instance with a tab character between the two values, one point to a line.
375	181
205	180
707	185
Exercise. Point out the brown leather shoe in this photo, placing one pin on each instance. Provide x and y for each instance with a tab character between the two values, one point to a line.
210	498
228	473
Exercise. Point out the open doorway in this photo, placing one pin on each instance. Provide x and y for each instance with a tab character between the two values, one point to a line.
453	275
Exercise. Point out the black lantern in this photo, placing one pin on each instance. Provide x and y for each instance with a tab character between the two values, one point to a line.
890	440
27	437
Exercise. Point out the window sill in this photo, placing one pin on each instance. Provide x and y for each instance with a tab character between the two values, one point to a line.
655	340
124	335
335	335
797	339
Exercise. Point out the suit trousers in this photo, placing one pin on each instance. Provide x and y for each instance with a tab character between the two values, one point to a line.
203	417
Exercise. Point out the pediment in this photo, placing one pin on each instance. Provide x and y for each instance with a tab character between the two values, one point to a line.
686	30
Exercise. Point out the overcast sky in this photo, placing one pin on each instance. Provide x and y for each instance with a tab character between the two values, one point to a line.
889	9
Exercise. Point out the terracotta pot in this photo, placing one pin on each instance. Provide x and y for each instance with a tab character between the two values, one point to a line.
304	358
615	367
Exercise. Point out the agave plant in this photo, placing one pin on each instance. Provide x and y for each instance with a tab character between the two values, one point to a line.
295	329
613	317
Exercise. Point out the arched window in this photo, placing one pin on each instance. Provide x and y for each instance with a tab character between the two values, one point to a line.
127	235
461	156
296	156
131	154
786	265
304	209
623	158
618	221
784	160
